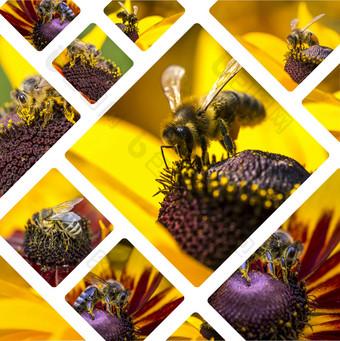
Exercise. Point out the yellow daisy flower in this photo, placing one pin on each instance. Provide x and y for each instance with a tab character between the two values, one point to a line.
127	175
266	28
148	297
37	22
53	256
17	298
143	31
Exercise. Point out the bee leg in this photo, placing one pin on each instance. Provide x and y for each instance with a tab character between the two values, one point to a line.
270	263
109	305
162	151
228	143
92	296
244	271
284	269
204	147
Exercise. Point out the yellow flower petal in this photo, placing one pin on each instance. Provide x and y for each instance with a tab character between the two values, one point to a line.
147	22
327	114
96	37
127	178
15	66
37	199
26	316
148	37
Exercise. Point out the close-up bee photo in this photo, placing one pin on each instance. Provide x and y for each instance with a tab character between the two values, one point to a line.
92	63
33	116
287	289
290	39
144	22
55	233
216	154
124	297
39	21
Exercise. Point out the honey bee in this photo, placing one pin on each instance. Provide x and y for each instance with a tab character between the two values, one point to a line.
129	22
278	250
48	7
86	52
110	293
37	96
195	123
301	36
59	218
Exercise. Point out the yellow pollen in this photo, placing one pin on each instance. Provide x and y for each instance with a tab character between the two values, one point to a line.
263	192
214	184
289	325
213	176
200	177
244	197
224	181
216	193
267	204
254	187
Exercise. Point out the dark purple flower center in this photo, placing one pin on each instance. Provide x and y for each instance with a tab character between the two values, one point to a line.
44	33
111	328
53	247
265	309
211	211
22	145
299	64
92	79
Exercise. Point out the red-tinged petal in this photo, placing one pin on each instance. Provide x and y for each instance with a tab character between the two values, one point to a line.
326	266
328	294
21	4
309	259
15	22
142	293
149	323
151	303
145	295
31	10
20	13
16	240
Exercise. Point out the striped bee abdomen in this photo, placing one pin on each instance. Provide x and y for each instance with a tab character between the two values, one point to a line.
239	106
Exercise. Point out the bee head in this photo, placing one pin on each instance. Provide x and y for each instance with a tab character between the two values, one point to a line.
19	98
181	138
122	15
133	20
123	297
292	253
292	40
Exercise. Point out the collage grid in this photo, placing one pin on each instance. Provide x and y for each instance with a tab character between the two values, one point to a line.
196	11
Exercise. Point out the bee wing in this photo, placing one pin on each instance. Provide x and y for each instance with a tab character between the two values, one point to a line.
171	81
66	206
135	10
313	21
293	24
65	216
94	279
230	71
122	5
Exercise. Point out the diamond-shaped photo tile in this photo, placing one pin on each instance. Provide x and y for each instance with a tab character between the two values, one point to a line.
289	288
39	21
324	102
144	21
92	63
25	315
124	297
289	38
54	227
33	116
196	199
